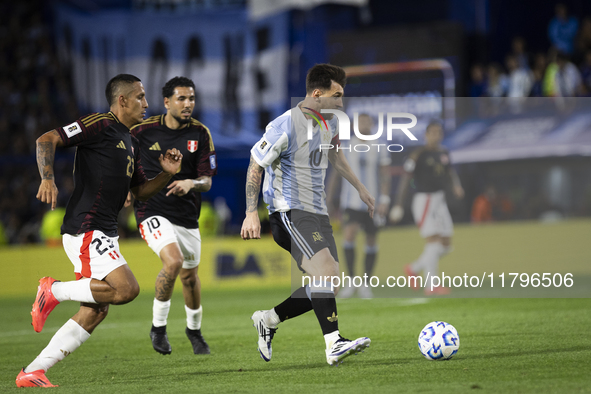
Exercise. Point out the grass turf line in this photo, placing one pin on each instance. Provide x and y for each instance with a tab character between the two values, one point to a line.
507	345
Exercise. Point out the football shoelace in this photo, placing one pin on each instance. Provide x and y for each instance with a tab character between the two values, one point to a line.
264	332
339	344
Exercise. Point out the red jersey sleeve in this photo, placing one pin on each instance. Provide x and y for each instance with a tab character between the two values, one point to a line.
84	128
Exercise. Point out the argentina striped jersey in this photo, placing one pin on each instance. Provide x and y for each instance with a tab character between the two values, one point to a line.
295	167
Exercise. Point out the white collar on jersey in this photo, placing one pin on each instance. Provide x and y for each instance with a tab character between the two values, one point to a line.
298	116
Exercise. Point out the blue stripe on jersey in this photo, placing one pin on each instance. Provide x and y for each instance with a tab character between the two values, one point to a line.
289	188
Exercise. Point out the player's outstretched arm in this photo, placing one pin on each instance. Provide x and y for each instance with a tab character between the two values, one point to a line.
340	163
184	186
397	211
251	227
170	163
384	199
456	184
46	145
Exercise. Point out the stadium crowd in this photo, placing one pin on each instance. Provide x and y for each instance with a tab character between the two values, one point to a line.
35	96
564	70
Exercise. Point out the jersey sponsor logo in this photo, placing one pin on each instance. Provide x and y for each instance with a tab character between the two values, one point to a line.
156	146
212	162
317	237
121	145
263	146
192	145
72	129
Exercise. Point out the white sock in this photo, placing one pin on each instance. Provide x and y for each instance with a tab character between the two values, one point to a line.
67	339
160	312
432	261
76	290
445	250
430	252
331	338
271	318
194	317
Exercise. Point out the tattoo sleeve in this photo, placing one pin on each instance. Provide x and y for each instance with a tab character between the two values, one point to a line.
254	177
45	157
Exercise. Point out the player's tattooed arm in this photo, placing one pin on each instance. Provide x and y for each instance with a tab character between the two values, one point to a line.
184	186
251	227
254	178
46	145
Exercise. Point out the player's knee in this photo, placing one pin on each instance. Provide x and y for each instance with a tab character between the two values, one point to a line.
127	294
189	279
173	265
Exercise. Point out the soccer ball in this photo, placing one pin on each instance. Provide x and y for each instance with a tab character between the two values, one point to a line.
439	341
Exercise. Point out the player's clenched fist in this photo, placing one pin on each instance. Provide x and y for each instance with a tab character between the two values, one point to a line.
251	227
48	192
171	161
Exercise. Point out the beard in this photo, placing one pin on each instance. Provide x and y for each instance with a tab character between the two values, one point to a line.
181	120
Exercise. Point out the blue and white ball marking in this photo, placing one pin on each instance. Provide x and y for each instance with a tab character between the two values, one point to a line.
439	341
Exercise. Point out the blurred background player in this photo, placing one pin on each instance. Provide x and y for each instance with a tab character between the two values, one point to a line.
431	170
107	167
295	168
169	221
374	169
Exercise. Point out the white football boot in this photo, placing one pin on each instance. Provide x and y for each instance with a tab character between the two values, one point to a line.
347	291
266	334
343	348
365	292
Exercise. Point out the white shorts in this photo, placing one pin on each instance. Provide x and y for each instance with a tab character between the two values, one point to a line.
431	214
158	232
93	254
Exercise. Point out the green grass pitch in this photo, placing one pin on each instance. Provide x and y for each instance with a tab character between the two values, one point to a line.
507	345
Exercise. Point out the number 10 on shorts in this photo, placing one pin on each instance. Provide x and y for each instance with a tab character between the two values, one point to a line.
152	224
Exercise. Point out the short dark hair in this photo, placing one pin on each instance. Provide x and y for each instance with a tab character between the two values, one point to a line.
115	83
433	123
321	76
168	89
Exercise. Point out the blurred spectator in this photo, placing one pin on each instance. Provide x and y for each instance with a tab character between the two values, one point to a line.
586	74
584	38
518	50
490	206
562	29
497	85
549	82
477	83
482	206
538	70
520	79
223	213
568	81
